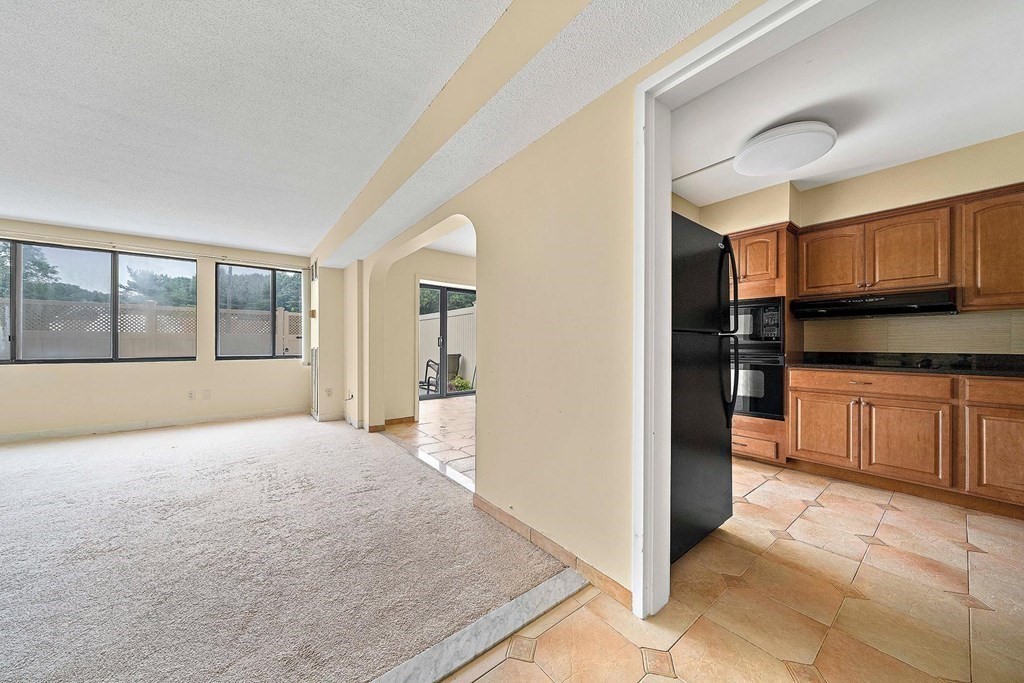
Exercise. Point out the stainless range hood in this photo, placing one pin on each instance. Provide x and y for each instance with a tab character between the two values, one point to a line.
871	305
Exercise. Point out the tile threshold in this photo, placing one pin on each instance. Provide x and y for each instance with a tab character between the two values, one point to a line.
448	471
462	647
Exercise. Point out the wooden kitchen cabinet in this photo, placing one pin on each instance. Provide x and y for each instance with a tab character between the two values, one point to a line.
764	259
758	257
825	428
995	452
908	252
993	253
908	440
755	437
831	261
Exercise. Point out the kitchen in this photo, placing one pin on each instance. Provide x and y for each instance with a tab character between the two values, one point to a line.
858	303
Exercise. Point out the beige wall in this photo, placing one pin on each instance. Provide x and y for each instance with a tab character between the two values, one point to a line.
328	336
402	315
764	207
68	398
975	332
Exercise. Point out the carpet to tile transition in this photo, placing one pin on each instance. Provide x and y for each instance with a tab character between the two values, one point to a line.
278	549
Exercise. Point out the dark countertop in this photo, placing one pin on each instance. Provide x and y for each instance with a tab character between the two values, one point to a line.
994	365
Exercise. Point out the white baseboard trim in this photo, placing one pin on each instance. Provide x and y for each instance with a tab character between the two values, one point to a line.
146	424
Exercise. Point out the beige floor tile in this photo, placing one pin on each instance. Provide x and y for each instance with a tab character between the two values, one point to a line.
515	671
991	667
745	482
750	537
917	568
793	489
803	478
923	524
586	595
804	673
658	662
657	632
829	566
1007	567
921	542
722	557
998	632
996	535
560	611
481	665
778	630
744	465
582	645
807	594
1002	595
905	638
845	514
843	659
827	538
867	494
448	456
934	607
767	498
709	653
694	584
462	464
655	678
764	517
929	508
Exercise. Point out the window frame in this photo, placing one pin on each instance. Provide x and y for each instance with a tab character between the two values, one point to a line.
273	313
115	304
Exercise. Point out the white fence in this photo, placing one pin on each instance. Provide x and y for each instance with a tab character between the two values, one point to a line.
81	329
461	340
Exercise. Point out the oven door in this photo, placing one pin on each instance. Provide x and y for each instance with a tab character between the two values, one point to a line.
761	386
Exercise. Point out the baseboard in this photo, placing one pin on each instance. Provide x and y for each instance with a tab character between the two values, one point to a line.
375	428
399	420
146	424
600	580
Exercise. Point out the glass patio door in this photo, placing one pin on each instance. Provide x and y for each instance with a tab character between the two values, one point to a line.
447	346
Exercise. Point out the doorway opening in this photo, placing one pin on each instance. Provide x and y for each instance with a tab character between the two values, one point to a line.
447	341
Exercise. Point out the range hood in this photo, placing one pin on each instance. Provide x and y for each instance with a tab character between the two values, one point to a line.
871	305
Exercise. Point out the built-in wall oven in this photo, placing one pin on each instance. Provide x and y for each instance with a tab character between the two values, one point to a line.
762	361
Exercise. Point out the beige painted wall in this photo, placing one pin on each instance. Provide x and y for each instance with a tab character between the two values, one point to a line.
402	316
328	335
69	398
764	207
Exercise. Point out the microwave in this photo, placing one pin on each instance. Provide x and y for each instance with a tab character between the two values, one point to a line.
762	325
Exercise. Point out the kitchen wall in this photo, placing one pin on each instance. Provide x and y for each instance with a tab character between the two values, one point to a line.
402	316
77	398
974	332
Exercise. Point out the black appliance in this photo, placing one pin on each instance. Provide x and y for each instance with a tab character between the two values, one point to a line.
932	302
704	328
760	390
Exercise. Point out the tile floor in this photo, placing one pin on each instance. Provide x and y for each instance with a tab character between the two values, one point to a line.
813	579
446	432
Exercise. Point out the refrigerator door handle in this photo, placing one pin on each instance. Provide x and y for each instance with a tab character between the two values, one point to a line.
735	305
729	403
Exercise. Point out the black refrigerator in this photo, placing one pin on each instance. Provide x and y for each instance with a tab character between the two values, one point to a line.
704	326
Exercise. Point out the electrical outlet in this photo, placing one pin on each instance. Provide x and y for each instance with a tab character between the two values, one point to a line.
191	395
207	394
329	392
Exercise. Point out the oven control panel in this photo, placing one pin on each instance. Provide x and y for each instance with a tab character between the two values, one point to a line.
771	323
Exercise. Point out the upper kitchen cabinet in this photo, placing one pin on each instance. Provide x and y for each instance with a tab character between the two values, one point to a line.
993	253
763	257
908	252
831	261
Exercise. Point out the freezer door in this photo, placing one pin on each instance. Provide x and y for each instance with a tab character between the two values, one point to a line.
703	268
701	497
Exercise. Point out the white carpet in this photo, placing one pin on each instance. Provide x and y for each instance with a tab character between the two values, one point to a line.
276	549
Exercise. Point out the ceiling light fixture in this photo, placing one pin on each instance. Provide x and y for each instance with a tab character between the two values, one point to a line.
784	148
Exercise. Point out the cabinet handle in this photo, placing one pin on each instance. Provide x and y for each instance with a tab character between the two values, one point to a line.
861	284
870	284
855	382
737	443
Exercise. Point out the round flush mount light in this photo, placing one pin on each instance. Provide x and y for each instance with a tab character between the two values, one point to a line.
785	148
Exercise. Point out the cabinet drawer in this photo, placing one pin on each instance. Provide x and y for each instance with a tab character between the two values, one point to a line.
998	391
754	448
873	383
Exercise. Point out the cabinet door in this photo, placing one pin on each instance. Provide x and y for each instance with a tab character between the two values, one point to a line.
993	248
908	251
831	261
759	257
908	440
995	452
825	428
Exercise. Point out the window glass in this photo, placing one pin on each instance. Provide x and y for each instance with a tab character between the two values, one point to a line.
244	316
156	307
5	301
65	310
288	340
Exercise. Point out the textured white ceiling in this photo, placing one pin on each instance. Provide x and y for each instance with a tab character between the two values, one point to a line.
901	80
461	242
605	43
245	123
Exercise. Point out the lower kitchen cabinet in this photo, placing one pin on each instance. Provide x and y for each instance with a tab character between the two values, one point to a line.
755	437
825	428
995	452
907	440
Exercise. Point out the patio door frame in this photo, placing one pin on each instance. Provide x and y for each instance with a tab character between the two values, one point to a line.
762	33
442	384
